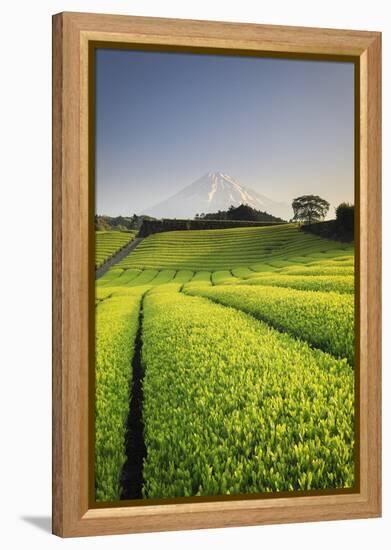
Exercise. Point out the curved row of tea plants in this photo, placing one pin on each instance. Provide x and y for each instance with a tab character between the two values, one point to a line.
321	268
233	406
343	284
116	329
325	320
320	276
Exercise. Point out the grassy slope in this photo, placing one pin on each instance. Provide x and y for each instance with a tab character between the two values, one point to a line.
221	249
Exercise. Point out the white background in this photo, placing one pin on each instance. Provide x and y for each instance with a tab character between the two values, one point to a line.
25	274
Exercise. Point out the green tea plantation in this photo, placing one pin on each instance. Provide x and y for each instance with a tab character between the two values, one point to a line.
225	364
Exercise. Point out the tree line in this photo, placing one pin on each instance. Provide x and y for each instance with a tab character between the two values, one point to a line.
243	212
307	210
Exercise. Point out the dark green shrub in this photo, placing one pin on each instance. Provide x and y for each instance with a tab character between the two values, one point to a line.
345	216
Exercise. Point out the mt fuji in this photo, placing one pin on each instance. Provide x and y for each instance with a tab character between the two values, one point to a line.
212	192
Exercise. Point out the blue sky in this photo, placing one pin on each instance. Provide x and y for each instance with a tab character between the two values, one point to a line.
281	127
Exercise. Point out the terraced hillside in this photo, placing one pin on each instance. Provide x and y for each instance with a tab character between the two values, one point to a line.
220	249
108	243
242	341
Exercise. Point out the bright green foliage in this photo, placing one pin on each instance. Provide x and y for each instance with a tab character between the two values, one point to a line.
123	279
320	269
241	272
279	263
263	268
146	276
324	283
230	403
331	253
109	276
334	263
102	293
303	260
164	276
183	276
223	277
116	329
222	249
325	320
278	246
166	288
108	243
233	406
344	259
202	277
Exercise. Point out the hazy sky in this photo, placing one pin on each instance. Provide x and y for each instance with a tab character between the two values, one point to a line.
281	127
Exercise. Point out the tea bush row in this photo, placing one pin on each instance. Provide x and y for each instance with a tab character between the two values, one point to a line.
233	406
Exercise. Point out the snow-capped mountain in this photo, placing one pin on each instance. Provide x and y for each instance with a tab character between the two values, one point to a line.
212	192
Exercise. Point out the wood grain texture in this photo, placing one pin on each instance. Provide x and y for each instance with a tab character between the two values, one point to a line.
57	370
222	34
373	263
72	33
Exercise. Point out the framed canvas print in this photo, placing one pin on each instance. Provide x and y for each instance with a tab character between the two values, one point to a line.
216	274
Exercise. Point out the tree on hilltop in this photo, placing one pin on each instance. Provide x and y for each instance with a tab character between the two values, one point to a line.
309	208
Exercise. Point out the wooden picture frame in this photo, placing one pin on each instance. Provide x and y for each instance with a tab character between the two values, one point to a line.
72	35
